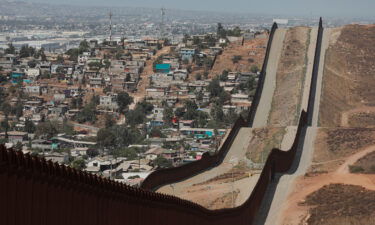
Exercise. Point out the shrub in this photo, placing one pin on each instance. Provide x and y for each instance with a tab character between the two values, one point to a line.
356	169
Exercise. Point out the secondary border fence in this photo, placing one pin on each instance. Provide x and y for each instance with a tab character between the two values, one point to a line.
314	77
262	78
34	191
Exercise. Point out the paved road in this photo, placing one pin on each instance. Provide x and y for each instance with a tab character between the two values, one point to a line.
265	103
275	199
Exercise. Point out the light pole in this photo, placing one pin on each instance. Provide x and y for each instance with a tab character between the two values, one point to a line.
233	161
172	186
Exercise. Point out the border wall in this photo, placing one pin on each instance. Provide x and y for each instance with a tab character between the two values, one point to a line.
314	77
35	191
262	78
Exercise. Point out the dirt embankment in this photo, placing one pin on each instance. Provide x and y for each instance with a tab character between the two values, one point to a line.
251	53
365	164
333	145
263	141
348	97
315	200
338	204
290	77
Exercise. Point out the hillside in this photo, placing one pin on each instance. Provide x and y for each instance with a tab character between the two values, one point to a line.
251	53
291	72
339	186
348	97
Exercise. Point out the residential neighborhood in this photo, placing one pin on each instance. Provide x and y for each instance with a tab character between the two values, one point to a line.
122	109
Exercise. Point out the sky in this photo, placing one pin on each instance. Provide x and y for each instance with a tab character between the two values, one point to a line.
353	8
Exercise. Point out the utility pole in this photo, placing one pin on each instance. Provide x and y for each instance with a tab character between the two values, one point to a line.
110	26
162	22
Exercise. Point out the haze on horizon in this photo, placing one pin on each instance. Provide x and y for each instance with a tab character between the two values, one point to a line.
344	8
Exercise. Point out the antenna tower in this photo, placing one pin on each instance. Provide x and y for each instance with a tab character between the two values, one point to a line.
162	22
110	26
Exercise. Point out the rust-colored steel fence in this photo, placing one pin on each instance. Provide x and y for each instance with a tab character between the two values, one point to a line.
34	191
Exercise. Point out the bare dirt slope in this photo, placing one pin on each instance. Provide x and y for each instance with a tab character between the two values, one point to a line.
231	183
252	49
348	97
290	77
297	212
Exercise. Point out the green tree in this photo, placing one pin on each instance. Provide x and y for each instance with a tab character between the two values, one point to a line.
191	110
168	115
47	129
105	138
254	69
109	121
26	51
5	126
221	32
217	112
60	59
17	110
30	126
162	162
87	114
123	101
78	164
135	117
10	50
236	59
107	64
156	132
214	88
84	46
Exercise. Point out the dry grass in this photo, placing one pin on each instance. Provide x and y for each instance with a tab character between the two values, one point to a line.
253	49
291	72
348	77
263	141
339	204
332	145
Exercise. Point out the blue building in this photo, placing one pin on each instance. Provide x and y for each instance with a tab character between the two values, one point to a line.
163	68
17	77
187	53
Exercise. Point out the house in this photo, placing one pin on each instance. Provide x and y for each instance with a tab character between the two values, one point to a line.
153	153
180	74
79	151
197	133
222	41
96	81
154	92
108	101
163	68
186	123
36	90
232	76
60	158
187	54
44	145
245	77
33	73
15	136
239	98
